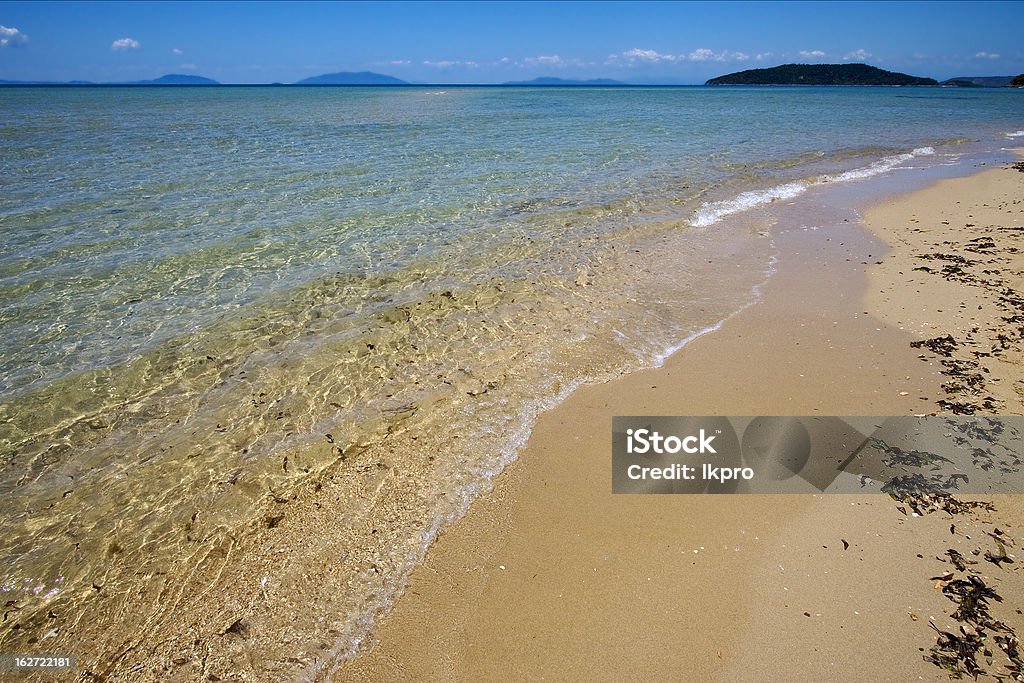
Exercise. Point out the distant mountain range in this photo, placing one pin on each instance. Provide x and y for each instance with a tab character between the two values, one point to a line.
338	78
786	74
820	74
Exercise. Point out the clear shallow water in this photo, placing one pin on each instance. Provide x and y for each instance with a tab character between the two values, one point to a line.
213	299
130	216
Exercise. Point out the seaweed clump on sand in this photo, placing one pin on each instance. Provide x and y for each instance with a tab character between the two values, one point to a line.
983	260
930	494
971	648
943	346
921	493
958	654
965	378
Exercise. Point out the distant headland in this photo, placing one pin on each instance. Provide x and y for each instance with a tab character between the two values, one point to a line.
981	82
820	74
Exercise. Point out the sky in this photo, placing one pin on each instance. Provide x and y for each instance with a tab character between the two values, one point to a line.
494	42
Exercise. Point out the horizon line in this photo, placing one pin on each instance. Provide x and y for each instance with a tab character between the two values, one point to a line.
510	84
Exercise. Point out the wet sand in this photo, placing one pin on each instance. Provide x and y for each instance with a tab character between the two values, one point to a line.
552	577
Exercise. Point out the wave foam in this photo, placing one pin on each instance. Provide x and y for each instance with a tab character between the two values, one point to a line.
1016	134
713	212
710	214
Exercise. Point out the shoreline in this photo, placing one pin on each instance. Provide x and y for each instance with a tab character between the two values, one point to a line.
247	390
298	590
550	575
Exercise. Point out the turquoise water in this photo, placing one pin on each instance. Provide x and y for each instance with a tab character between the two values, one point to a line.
212	299
129	216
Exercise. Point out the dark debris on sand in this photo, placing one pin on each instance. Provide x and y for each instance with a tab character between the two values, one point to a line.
981	645
928	494
958	653
964	359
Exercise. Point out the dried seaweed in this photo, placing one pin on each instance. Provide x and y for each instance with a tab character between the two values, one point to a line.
943	346
957	559
955	654
930	494
958	654
971	595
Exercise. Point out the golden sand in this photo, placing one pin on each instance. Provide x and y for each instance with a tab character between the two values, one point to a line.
552	577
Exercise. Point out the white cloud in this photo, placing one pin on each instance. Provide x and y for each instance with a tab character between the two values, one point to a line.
650	56
125	44
11	37
187	67
176	51
761	56
544	60
703	54
447	63
860	55
400	62
811	54
986	55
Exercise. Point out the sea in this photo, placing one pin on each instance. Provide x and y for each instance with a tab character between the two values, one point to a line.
219	305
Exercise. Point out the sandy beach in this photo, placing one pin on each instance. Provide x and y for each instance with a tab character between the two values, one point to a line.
511	341
886	296
552	577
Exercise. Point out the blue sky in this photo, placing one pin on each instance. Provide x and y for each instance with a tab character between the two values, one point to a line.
684	42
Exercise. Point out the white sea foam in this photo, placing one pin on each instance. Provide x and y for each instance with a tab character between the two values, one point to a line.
713	212
879	167
1016	134
710	214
